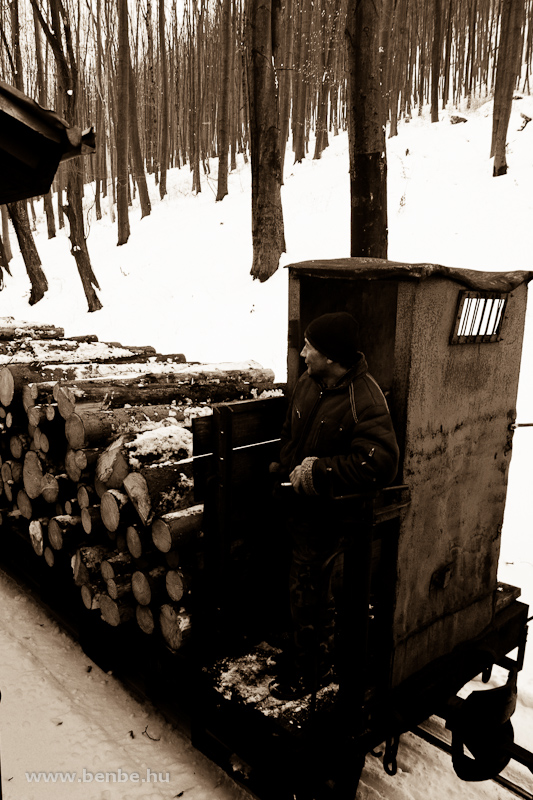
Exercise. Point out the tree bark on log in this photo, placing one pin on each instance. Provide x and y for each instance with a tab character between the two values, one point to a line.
86	428
177	528
198	386
86	563
175	625
112	465
157	489
120	586
91	594
116	565
69	359
11	328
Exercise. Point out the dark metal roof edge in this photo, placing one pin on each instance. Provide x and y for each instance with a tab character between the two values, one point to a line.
381	269
31	111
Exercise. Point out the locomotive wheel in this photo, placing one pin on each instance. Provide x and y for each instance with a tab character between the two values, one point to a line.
487	745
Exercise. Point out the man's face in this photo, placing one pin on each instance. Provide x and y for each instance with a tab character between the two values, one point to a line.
317	363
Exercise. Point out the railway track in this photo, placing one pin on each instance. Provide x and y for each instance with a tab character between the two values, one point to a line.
437	741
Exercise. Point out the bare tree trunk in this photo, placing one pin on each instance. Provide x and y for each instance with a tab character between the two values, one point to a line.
151	131
122	123
223	110
368	162
436	57
285	79
164	102
74	213
447	58
194	106
325	86
5	235
4	263
300	99
507	72
19	218
267	217
67	69
233	102
136	153
385	41
48	207
18	210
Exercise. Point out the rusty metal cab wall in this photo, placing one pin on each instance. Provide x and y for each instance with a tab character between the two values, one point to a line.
452	398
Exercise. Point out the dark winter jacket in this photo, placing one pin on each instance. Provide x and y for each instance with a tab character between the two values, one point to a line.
342	436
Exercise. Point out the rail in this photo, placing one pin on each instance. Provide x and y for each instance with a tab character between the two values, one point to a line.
443	745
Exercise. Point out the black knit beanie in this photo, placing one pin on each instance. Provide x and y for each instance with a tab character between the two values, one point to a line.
335	336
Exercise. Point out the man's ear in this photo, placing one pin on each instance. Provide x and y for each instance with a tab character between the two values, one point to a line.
329	361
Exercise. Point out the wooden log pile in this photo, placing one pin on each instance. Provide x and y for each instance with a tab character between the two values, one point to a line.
96	466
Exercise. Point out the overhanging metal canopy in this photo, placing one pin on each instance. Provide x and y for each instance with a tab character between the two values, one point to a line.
33	141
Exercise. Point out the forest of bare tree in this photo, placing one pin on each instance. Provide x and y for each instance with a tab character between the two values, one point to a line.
175	84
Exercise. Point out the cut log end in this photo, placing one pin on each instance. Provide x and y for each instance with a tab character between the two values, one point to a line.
111	503
7	386
115	612
137	490
145	619
134	542
32	475
177	584
36	532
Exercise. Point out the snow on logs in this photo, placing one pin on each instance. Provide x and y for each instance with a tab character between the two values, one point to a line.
96	469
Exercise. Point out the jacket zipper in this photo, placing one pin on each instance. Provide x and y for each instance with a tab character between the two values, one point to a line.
307	428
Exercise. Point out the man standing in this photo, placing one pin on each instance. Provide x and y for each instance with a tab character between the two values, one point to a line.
337	440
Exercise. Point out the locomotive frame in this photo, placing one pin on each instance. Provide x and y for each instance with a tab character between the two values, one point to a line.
400	664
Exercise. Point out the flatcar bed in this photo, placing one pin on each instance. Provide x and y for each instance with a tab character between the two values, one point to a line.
280	749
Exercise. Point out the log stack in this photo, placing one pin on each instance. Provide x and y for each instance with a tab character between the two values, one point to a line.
96	466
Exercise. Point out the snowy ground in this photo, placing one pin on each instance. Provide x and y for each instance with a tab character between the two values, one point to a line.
182	284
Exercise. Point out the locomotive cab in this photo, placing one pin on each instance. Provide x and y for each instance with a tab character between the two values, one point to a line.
424	612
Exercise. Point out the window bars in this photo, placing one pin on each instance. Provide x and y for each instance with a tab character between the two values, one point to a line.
479	317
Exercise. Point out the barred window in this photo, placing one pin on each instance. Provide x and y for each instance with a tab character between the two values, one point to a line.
479	317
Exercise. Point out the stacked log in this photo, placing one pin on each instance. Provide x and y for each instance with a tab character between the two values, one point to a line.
96	466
